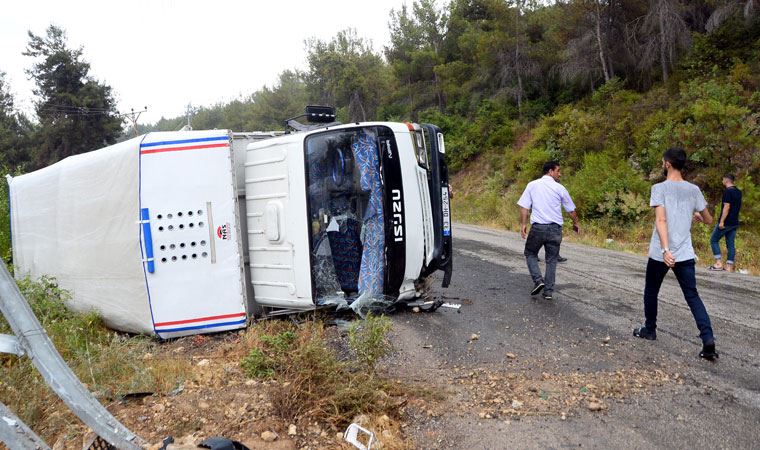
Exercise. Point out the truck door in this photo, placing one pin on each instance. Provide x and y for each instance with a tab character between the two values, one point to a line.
278	241
190	233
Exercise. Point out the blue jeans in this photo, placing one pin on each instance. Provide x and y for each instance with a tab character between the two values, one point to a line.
548	236
685	275
730	233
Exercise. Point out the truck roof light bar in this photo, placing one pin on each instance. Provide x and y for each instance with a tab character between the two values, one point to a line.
316	114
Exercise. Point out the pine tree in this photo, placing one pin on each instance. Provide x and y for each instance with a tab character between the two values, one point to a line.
76	113
14	130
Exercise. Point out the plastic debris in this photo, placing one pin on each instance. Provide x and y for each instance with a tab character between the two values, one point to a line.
352	436
451	305
372	304
220	443
337	300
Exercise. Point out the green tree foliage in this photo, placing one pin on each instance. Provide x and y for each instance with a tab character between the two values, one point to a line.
76	113
416	40
346	72
15	129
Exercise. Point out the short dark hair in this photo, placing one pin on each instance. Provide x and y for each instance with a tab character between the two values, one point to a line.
550	165
676	156
730	176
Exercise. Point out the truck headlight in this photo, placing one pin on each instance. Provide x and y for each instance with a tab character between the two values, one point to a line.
422	156
418	142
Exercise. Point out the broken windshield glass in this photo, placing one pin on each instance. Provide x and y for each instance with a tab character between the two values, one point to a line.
346	213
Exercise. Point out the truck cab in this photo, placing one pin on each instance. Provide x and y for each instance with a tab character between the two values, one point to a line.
345	211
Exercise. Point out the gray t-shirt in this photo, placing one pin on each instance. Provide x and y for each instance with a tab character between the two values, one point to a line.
681	200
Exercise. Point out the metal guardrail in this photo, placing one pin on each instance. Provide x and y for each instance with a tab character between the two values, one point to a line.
31	339
16	435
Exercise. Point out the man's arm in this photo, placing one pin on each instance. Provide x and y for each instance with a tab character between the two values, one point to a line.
704	216
723	215
661	224
524	212
569	206
574	215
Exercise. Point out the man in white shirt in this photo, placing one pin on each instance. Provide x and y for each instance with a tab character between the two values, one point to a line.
544	199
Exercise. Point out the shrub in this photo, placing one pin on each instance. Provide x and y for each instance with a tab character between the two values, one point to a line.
263	362
310	380
258	365
608	187
368	341
750	212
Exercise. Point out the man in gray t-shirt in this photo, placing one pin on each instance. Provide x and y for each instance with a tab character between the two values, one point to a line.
676	203
681	200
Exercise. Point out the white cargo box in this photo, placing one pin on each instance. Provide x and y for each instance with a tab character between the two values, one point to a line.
145	232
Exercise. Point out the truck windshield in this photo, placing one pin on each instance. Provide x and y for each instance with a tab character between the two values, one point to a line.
345	201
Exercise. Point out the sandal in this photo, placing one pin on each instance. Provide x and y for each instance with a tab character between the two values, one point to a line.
715	268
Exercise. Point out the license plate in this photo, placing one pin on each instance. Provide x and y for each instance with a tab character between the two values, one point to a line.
446	212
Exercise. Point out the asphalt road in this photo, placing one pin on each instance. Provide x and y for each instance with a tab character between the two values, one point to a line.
586	329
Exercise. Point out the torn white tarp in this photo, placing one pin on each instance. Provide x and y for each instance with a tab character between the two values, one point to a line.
77	221
145	232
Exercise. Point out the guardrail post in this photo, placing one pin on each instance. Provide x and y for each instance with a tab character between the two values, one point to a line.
34	341
16	435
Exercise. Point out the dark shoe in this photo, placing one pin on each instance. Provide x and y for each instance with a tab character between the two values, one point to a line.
547	296
537	288
708	352
645	333
561	259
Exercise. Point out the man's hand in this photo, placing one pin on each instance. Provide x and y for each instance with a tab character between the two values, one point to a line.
524	230
698	217
670	261
576	228
721	225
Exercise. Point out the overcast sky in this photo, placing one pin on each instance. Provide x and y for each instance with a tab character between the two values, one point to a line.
164	54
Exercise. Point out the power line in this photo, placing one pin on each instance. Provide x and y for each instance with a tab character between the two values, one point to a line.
86	111
90	108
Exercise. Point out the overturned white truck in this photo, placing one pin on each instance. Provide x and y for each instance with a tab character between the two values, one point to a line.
186	232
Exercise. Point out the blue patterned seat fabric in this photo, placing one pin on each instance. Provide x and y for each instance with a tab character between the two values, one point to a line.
346	247
372	272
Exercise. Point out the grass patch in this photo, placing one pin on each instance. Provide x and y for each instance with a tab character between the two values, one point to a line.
310	381
110	364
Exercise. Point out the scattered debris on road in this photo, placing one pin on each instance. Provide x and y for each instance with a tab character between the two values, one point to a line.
505	394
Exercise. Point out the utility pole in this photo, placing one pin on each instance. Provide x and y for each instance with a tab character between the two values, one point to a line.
133	116
188	114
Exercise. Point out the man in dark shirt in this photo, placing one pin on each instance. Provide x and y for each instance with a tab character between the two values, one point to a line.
727	225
